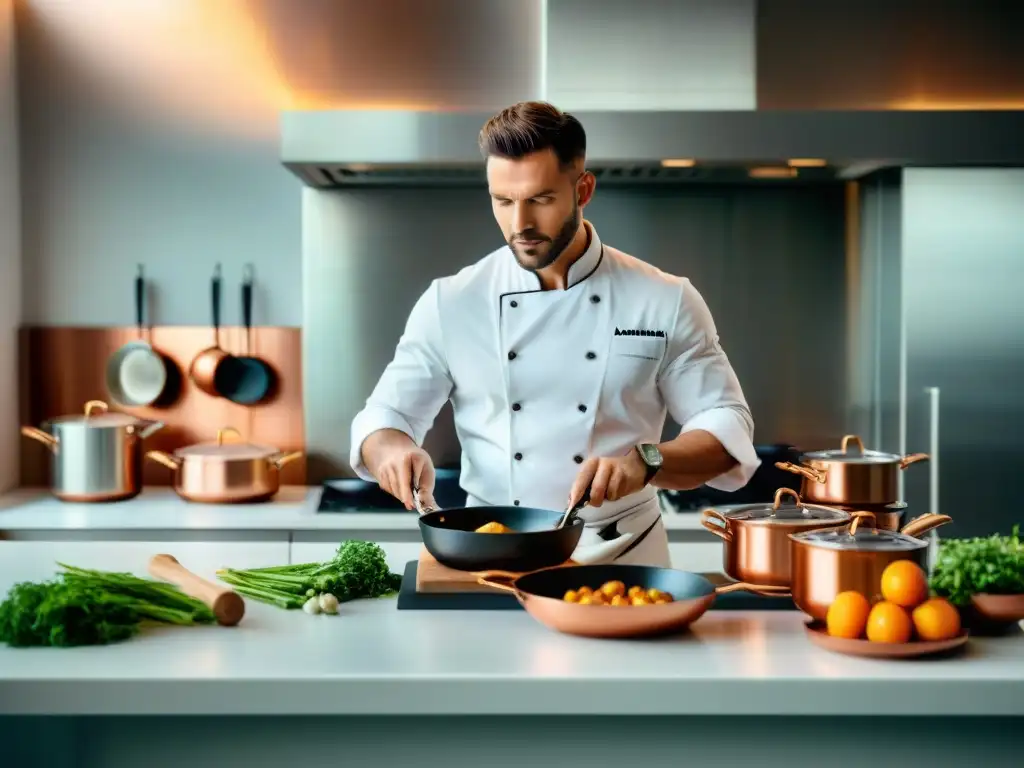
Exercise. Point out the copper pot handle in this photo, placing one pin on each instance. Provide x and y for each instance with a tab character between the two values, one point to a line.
721	531
856	517
490	579
95	405
43	437
810	473
913	458
847	439
163	458
286	458
925	523
755	588
782	492
226	431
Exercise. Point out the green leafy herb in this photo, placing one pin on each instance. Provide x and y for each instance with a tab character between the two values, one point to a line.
357	570
966	567
87	607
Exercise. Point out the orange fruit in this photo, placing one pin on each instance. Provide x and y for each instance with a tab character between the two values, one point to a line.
848	615
936	619
889	623
905	583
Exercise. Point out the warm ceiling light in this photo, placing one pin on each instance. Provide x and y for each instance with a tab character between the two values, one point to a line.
679	162
772	173
807	162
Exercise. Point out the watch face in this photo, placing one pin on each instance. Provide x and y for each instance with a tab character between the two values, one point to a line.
651	455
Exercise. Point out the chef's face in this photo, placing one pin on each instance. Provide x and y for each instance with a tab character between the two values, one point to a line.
538	205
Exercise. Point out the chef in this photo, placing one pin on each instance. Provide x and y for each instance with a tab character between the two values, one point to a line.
561	356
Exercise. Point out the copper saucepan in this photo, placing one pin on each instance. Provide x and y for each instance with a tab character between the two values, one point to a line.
757	546
541	593
851	475
226	473
827	562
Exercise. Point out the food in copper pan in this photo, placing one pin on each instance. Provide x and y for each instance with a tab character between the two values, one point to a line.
494	527
615	593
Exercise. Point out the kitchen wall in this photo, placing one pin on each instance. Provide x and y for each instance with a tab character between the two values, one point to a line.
10	253
150	133
656	54
770	262
879	54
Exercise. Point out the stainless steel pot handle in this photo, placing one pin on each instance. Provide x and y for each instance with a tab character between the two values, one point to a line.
933	449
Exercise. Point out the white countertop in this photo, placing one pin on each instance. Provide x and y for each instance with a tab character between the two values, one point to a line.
292	510
374	659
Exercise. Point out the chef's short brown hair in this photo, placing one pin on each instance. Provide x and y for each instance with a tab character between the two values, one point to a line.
533	126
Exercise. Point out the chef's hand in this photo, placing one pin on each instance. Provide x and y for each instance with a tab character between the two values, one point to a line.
404	468
609	479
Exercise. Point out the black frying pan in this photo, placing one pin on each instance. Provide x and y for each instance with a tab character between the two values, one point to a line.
450	536
246	379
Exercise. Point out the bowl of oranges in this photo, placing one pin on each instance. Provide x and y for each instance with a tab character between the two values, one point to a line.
902	620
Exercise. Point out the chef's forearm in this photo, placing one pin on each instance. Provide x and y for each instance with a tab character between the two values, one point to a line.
379	444
690	460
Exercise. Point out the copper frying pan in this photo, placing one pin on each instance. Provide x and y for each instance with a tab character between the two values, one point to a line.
541	593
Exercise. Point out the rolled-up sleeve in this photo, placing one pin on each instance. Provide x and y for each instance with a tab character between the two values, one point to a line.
701	390
414	385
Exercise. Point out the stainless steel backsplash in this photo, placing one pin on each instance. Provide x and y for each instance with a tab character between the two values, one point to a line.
769	260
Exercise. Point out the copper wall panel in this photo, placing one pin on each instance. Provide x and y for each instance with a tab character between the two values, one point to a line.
62	368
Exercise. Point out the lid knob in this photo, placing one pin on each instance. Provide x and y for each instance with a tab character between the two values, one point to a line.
783	492
223	431
845	445
95	405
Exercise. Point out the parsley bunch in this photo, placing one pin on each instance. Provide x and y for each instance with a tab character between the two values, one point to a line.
967	567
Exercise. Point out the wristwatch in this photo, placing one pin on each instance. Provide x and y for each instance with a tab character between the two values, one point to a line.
651	457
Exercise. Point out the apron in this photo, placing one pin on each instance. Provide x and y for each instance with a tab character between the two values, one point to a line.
636	536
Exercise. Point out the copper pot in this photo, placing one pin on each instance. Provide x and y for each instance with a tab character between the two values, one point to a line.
851	475
226	473
888	517
757	545
828	562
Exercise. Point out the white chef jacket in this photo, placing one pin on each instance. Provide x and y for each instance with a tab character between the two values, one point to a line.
541	380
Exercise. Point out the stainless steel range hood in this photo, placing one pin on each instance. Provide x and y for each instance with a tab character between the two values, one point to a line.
341	148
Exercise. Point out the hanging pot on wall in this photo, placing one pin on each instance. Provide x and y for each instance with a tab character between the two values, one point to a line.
851	475
226	472
95	456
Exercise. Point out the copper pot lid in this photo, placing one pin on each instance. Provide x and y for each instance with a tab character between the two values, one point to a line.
228	450
96	415
855	537
793	513
852	451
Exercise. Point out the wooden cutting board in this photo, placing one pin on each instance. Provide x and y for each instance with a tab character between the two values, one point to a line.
431	576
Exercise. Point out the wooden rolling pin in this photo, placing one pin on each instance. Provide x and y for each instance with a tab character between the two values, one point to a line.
226	604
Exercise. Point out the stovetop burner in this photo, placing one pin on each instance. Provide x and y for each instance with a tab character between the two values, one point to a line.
354	495
350	494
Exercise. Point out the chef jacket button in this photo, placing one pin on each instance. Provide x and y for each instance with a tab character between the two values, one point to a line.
513	304
582	408
590	355
511	355
578	459
516	406
519	457
595	299
516	502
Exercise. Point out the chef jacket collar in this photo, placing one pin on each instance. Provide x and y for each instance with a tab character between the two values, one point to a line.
580	269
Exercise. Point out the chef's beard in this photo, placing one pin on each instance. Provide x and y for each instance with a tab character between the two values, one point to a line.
536	259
